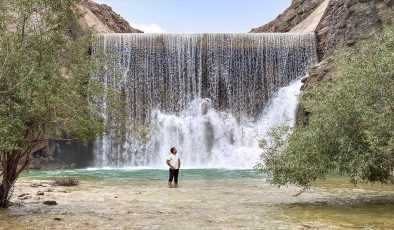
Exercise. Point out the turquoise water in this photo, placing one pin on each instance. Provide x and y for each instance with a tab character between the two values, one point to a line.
205	199
144	174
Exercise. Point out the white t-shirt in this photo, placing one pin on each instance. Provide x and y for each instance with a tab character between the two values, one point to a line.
173	160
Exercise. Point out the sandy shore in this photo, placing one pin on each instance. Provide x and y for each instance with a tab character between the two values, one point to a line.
199	204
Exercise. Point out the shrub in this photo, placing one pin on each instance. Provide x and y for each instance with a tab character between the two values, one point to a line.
351	127
67	182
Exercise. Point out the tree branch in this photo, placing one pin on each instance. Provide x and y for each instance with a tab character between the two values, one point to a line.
4	63
16	85
55	139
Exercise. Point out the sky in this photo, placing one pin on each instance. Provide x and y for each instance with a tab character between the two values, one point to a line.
197	16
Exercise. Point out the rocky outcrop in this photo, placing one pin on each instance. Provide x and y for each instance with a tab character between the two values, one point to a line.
346	23
295	14
350	21
100	19
108	17
310	23
342	25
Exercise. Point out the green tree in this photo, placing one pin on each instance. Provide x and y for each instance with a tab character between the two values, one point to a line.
46	90
351	128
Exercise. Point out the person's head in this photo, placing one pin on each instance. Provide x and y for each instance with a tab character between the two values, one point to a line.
173	150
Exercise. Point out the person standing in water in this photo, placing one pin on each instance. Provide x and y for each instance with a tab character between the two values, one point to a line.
174	163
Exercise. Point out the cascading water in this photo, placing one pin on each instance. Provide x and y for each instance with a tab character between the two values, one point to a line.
210	95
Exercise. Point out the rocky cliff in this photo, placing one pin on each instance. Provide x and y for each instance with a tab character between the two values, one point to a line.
342	24
295	14
108	17
100	19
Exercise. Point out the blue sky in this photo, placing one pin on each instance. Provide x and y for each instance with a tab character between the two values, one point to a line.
198	16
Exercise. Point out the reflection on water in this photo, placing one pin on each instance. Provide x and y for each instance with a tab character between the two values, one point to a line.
213	199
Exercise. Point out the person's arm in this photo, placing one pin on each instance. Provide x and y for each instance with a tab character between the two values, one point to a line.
179	163
169	164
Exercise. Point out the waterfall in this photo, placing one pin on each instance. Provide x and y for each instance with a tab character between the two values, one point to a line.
210	95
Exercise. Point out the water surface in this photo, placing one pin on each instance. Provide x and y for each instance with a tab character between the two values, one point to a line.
205	199
144	174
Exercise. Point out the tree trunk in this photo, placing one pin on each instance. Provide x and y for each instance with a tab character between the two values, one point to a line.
13	163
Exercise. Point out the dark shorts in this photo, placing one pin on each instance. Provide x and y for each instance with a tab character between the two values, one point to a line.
173	175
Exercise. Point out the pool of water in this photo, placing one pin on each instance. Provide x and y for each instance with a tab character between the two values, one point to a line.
144	174
205	199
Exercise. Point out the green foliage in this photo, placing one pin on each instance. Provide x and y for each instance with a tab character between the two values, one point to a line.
351	127
46	86
45	75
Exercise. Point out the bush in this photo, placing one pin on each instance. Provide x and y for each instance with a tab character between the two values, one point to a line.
67	182
351	127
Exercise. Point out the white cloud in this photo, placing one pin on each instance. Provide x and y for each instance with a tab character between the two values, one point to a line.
149	28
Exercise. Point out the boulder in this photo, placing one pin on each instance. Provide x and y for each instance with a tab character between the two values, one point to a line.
40	193
50	202
35	184
23	195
